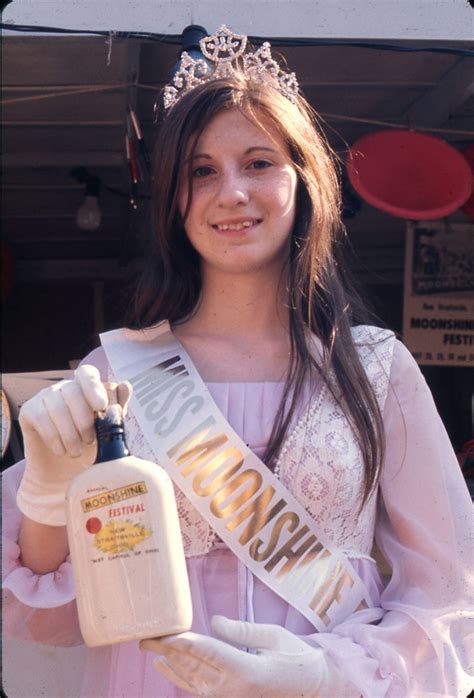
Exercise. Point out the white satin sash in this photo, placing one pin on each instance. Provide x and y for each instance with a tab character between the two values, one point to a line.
243	501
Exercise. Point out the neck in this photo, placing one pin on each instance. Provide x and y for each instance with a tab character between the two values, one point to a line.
242	305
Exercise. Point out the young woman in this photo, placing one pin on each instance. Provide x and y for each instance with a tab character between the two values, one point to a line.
246	270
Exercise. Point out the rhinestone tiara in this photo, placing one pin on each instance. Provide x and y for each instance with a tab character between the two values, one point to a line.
226	51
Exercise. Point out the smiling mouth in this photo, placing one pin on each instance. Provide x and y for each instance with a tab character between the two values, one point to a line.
236	227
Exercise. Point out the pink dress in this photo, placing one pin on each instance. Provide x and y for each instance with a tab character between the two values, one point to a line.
422	646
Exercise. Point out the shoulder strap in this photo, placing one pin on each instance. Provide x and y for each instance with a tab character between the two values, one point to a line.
375	347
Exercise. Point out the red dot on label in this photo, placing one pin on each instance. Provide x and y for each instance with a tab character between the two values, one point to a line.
93	525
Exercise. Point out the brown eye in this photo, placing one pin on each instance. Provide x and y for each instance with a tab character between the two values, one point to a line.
202	171
260	164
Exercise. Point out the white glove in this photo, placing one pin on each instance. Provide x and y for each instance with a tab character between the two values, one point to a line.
59	440
284	666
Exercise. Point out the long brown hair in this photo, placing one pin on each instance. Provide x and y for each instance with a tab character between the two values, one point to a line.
320	297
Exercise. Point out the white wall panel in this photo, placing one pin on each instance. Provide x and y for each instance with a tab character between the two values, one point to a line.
376	19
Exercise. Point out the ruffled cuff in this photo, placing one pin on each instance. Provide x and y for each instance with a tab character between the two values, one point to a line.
375	670
36	608
36	590
364	671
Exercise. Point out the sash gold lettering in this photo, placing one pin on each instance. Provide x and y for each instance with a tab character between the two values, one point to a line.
288	517
167	376
159	383
287	551
255	481
331	592
156	377
211	472
195	436
204	450
260	517
185	387
322	589
193	404
307	573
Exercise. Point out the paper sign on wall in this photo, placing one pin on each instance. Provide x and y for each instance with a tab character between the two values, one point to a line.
438	312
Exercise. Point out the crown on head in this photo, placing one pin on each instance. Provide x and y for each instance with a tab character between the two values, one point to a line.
226	51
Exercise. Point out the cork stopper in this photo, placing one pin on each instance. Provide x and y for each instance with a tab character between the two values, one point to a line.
112	392
113	412
109	427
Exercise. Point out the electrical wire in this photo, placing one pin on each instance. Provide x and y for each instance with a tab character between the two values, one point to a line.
64	93
39	29
275	41
391	124
279	41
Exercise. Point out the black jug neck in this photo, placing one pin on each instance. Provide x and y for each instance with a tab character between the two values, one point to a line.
111	443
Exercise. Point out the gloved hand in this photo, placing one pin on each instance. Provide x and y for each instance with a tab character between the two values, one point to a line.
59	440
284	666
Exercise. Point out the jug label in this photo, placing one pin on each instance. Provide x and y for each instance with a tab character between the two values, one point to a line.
105	499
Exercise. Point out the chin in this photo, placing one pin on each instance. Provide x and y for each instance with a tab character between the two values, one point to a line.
247	264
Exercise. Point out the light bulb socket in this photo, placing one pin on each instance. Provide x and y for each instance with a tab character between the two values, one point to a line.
91	182
92	187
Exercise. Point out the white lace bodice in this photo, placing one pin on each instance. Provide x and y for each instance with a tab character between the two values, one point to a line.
320	462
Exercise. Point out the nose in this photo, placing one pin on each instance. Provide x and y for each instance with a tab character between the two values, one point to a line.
232	190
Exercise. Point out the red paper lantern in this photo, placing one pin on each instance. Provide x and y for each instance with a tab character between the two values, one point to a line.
409	174
468	207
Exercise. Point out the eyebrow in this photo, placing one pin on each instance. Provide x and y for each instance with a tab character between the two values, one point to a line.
252	149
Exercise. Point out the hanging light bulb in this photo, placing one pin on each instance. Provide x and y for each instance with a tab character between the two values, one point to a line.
89	216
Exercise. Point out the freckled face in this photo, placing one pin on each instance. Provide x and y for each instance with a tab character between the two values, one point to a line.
243	196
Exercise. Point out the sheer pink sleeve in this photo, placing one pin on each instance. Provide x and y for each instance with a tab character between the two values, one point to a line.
424	529
37	608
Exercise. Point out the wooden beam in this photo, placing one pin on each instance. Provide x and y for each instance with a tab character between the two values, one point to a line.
68	159
436	106
30	271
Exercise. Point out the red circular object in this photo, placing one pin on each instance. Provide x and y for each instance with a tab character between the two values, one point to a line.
93	525
468	207
408	174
